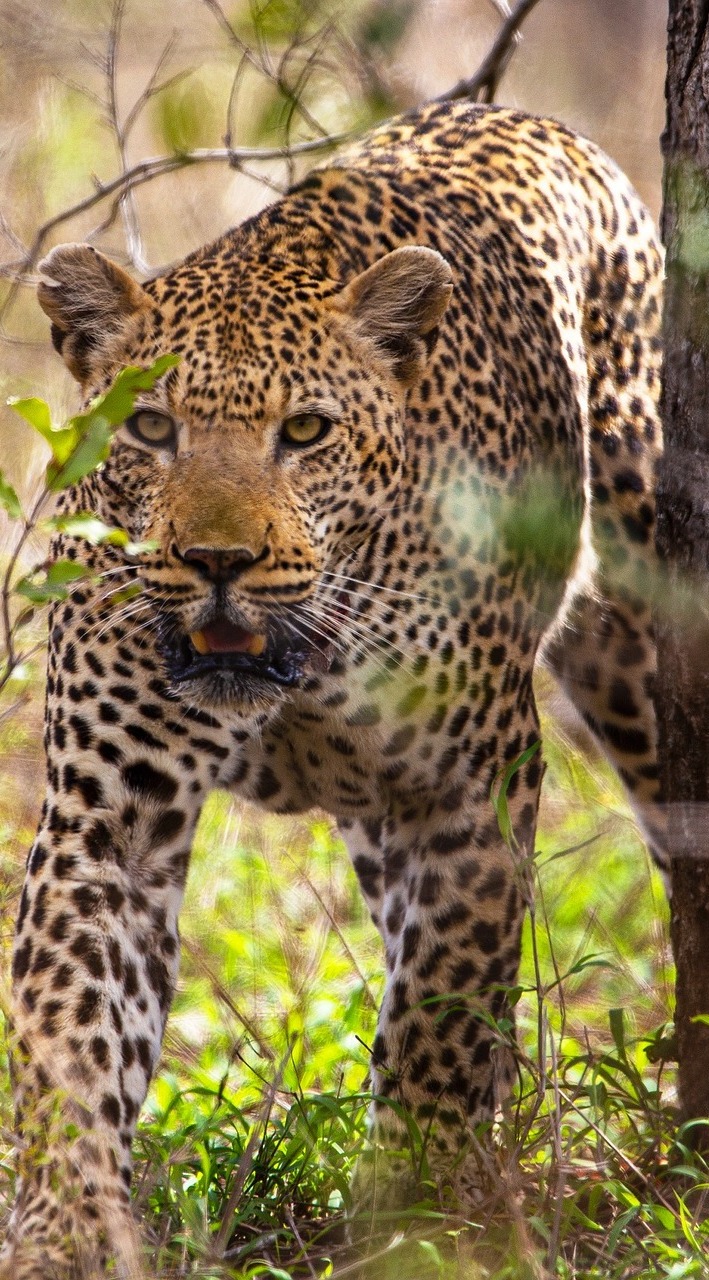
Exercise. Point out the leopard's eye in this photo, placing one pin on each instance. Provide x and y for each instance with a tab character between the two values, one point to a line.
156	429
305	428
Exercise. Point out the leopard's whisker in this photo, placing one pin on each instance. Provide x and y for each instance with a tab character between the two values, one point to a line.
376	586
370	644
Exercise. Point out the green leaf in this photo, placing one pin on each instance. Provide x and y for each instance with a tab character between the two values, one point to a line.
37	592
85	442
91	449
616	1018
136	548
619	1226
9	499
61	571
61	440
91	433
53	585
34	411
499	789
662	1049
126	593
664	1216
589	962
432	1253
117	403
84	524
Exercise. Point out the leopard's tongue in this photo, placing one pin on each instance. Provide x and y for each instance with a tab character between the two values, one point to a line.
223	637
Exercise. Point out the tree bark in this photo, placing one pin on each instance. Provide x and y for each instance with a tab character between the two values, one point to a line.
683	540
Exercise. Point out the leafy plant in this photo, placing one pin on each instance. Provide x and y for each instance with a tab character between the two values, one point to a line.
77	449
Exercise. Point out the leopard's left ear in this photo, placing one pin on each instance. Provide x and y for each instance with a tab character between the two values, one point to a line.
88	299
399	303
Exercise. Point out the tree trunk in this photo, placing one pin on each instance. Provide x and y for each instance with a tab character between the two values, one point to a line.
683	539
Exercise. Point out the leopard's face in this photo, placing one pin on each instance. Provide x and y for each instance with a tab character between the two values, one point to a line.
258	465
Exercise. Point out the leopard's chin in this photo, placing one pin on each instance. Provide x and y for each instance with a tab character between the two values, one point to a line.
241	695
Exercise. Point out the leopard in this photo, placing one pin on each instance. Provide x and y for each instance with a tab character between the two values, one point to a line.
407	453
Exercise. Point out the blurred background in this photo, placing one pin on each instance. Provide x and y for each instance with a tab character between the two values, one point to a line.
598	65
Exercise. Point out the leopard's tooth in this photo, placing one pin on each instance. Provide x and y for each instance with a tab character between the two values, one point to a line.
198	640
256	645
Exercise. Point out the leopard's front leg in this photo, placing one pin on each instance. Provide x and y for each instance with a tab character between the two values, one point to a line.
96	949
451	913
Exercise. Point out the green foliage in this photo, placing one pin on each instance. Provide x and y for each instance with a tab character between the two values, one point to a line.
258	1112
385	25
189	113
77	449
500	787
9	499
85	442
542	525
53	583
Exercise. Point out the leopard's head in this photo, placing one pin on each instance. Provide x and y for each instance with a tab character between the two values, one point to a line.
265	458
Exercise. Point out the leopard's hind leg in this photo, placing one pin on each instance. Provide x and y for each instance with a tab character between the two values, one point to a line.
604	654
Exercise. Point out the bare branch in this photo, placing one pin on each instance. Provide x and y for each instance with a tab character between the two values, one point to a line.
147	170
91	55
13	239
152	88
127	207
306	50
482	86
233	97
293	92
263	63
248	53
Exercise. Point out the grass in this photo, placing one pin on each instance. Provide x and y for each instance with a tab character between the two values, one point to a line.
256	1117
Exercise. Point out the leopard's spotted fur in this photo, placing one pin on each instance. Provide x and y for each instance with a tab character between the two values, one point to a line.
483	493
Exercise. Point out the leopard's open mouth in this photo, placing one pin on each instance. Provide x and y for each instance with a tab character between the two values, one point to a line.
222	648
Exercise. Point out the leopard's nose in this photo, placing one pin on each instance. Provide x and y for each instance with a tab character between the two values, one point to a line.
217	563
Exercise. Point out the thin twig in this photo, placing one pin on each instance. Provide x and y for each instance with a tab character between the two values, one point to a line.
482	86
248	53
233	97
334	925
290	1219
264	65
127	207
154	86
12	659
221	993
147	171
7	231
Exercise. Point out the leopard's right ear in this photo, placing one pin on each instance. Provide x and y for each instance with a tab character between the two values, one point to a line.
88	299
